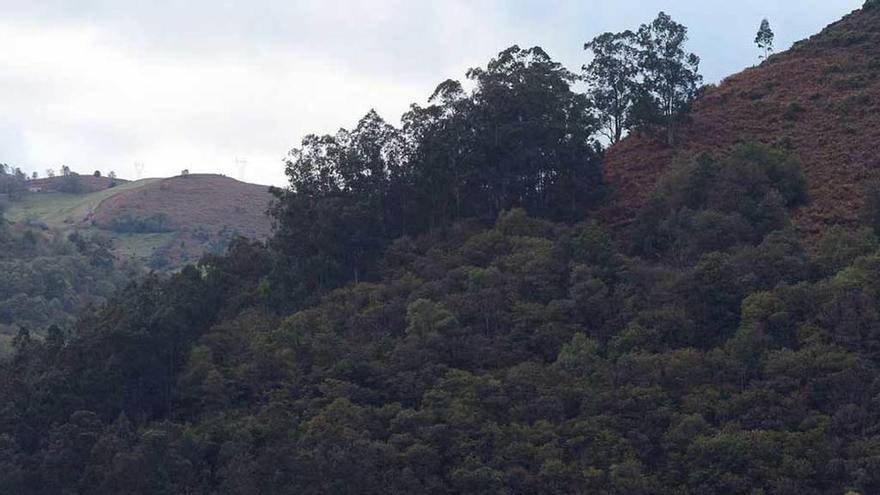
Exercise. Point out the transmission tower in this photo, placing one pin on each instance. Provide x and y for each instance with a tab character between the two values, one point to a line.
138	169
241	164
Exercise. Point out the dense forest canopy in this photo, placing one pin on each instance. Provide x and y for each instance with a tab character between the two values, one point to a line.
437	313
522	137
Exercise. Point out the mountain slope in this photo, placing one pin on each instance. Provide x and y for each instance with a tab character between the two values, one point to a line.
528	356
820	100
194	202
165	222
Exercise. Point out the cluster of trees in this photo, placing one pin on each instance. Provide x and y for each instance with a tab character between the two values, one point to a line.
708	203
521	138
526	357
12	184
642	79
47	278
13	181
433	315
646	79
133	224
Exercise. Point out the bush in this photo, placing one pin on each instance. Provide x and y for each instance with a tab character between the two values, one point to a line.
712	204
792	111
71	184
129	224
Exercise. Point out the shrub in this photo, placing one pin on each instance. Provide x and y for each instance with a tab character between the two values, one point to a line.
713	204
129	224
792	111
71	184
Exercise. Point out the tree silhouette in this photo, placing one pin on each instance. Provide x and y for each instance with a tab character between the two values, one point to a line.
670	74
611	77
764	39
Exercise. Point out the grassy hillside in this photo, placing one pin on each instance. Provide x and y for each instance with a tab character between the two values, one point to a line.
195	202
164	222
63	210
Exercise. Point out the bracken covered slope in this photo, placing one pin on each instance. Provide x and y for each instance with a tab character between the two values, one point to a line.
199	201
166	222
820	100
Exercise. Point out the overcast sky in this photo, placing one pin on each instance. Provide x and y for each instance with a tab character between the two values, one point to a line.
102	84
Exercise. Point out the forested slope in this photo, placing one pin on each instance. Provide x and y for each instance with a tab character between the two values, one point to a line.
525	357
435	314
48	278
69	243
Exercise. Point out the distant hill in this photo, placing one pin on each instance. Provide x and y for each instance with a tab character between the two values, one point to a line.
820	100
164	222
85	183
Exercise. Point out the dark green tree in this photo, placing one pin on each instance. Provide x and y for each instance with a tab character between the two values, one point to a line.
764	39
611	77
535	135
670	75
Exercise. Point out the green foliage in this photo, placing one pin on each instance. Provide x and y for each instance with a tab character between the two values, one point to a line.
70	183
792	110
130	224
670	75
839	247
12	184
642	80
433	316
528	357
522	138
47	280
764	39
612	75
716	204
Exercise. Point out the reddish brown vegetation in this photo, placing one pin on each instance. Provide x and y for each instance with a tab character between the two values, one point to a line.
820	100
196	202
87	183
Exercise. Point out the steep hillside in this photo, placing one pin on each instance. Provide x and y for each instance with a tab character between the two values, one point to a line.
820	100
164	222
391	339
